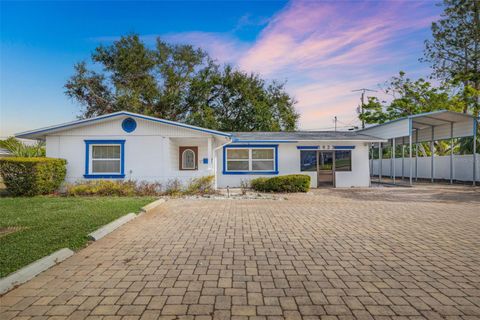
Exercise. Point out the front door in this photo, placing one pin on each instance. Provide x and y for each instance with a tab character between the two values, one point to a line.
326	168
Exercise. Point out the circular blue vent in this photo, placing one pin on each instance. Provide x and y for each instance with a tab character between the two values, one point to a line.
129	125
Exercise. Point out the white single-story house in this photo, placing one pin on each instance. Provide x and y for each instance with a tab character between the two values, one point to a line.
125	145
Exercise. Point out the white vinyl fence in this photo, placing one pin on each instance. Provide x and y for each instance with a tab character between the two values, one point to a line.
462	167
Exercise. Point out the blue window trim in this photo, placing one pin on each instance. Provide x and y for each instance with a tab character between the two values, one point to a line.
307	147
89	175
343	147
250	146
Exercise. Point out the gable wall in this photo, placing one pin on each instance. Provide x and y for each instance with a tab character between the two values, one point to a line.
151	151
113	127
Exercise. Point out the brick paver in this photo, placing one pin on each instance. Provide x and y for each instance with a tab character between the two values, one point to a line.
331	254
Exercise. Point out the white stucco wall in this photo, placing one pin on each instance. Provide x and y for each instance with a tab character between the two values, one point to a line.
289	163
151	151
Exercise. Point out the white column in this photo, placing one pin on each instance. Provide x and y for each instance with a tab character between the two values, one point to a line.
432	151
393	160
416	155
380	151
209	152
451	153
475	123
410	154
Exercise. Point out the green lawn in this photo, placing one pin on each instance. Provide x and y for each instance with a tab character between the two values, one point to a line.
39	226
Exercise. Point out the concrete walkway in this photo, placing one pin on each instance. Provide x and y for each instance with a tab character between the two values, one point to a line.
393	253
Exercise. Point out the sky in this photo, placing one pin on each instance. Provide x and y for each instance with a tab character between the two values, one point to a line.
322	49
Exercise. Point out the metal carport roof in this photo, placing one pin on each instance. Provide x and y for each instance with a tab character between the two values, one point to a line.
429	126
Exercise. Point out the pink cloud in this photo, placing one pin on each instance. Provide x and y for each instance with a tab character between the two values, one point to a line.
326	50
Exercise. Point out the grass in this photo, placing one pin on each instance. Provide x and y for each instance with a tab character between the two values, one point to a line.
31	228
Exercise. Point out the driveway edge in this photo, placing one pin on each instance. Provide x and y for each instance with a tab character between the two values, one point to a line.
33	269
152	205
106	229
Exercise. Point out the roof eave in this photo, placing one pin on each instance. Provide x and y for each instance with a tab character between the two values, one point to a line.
41	133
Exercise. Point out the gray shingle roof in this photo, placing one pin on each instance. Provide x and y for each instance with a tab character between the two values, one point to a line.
304	135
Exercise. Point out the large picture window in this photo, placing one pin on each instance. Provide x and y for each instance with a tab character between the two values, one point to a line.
250	159
343	160
104	159
308	160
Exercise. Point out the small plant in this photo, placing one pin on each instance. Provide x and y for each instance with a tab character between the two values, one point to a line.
287	183
244	186
32	176
102	188
114	188
202	185
144	188
173	188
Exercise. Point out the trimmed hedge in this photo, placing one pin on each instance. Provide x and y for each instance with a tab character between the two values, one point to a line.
32	176
288	183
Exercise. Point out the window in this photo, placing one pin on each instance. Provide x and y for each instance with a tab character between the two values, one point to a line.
104	158
308	160
188	158
250	159
343	160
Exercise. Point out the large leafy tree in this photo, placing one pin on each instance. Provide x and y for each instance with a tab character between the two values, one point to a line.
180	83
454	51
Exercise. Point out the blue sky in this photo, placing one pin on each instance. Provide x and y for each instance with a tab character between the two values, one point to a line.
324	49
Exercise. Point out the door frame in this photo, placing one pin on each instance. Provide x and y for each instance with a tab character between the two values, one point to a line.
333	166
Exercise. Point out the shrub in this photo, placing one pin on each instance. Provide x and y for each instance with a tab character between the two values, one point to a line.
102	188
288	183
144	188
32	176
173	188
202	185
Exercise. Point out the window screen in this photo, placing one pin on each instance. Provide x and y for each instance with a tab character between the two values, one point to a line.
106	159
250	159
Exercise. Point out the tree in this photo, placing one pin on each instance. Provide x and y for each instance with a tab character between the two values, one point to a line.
409	97
20	149
454	51
179	83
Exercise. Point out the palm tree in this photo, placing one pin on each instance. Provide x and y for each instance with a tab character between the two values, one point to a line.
20	149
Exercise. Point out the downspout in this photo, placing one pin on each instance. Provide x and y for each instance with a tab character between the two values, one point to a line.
215	169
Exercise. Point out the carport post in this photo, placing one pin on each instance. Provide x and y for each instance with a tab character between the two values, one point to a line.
451	153
403	159
416	155
393	160
410	155
432	151
371	159
380	151
474	150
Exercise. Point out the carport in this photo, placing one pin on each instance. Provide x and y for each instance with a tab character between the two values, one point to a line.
424	127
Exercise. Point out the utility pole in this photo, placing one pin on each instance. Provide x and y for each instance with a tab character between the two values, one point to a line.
335	121
363	90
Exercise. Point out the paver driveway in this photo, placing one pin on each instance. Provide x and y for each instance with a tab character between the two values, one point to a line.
377	253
